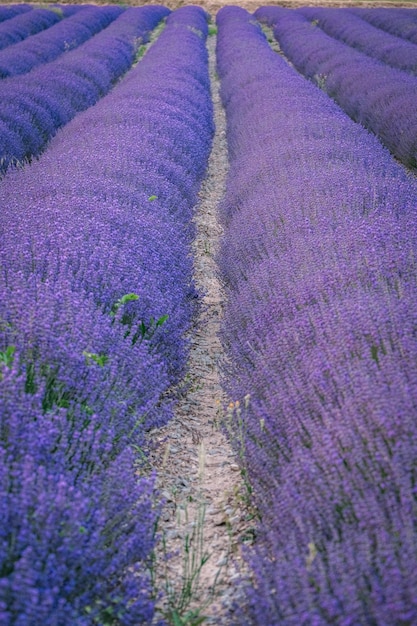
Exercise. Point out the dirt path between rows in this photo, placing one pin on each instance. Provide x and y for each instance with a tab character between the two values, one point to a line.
212	6
197	470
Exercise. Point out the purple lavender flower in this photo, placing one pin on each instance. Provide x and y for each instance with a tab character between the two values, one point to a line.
361	35
80	78
47	45
25	24
96	299
7	12
399	22
318	264
381	98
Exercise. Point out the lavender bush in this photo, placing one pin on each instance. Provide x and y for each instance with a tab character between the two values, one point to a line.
73	519
34	106
96	298
25	24
7	12
48	45
319	267
349	28
381	98
399	22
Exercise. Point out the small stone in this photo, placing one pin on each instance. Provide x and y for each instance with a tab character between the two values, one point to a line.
234	467
213	511
175	534
222	561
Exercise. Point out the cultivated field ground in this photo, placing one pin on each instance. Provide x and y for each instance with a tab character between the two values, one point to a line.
208	314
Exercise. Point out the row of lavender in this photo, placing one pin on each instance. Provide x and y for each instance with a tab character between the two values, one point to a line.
33	106
348	27
8	12
47	45
400	22
96	296
319	266
25	24
380	97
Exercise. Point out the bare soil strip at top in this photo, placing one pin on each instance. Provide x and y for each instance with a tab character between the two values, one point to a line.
197	470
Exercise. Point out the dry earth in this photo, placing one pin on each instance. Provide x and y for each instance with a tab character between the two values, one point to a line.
197	470
212	6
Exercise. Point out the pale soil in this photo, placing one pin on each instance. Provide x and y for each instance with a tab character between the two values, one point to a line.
197	470
212	6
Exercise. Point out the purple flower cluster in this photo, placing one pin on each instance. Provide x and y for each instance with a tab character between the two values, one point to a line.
34	106
318	261
359	34
96	297
25	24
399	22
73	518
381	98
7	12
48	45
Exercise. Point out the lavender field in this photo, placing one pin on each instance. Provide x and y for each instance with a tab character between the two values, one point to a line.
106	128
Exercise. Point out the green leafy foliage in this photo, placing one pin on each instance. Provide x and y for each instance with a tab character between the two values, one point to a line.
7	356
99	359
128	297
